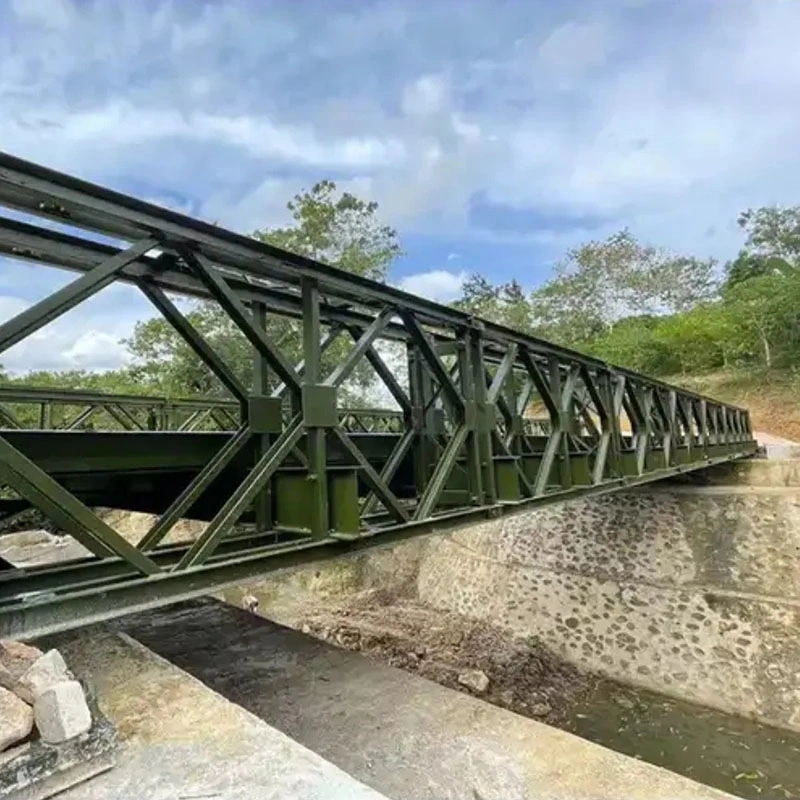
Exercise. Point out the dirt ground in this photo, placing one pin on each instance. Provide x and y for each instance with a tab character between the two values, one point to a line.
523	675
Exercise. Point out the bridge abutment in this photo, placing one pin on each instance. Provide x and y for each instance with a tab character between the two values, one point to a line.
691	591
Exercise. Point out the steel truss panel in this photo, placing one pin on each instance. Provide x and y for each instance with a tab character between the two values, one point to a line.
490	421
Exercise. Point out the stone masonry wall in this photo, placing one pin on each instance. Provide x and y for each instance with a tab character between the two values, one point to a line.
691	591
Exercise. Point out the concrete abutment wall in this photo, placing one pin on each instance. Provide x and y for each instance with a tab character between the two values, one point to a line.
693	591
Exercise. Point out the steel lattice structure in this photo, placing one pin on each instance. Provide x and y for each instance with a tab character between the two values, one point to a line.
309	478
40	408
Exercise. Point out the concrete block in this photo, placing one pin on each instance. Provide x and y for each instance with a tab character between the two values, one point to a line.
45	672
61	712
16	719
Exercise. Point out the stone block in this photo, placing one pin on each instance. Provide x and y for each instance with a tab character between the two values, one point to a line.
45	672
16	719
61	712
474	679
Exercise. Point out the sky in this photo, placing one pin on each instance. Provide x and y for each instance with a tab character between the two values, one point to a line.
494	135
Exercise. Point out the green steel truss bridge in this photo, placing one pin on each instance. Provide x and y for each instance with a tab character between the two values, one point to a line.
487	421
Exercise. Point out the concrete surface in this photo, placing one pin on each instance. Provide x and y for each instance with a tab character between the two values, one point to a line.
403	735
689	590
180	740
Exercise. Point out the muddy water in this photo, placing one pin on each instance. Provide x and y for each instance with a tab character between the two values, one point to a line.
730	753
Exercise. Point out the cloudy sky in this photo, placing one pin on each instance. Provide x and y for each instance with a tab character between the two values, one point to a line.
494	135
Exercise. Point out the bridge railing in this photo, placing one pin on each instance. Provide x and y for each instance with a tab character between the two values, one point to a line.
47	408
463	450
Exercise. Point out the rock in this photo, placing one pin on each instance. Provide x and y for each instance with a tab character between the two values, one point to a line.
17	657
250	603
16	719
540	709
45	672
624	701
61	712
8	681
507	698
474	679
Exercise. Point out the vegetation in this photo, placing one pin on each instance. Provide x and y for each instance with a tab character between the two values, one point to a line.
664	313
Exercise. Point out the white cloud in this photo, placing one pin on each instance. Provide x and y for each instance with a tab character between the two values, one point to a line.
436	284
426	95
120	124
573	123
86	337
571	49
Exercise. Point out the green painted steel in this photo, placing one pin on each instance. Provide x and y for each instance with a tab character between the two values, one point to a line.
487	420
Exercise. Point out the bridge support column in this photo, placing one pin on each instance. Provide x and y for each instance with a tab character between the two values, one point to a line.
262	505
318	403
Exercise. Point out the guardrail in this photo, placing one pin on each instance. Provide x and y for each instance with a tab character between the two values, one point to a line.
45	408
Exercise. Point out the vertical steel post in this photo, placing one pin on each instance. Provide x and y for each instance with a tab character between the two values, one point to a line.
564	422
315	436
262	505
479	444
468	386
421	393
45	415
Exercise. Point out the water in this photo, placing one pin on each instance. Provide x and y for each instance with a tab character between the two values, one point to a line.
721	750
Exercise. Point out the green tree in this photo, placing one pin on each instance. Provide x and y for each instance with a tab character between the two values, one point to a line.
601	282
632	343
767	310
341	230
691	341
515	308
752	265
479	297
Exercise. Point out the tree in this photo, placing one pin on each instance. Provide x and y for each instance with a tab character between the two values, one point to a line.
515	308
773	231
601	282
163	359
690	340
767	311
341	230
633	343
679	283
479	297
752	265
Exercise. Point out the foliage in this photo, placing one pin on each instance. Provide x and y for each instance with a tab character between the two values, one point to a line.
752	265
340	229
601	282
773	231
120	381
620	299
766	309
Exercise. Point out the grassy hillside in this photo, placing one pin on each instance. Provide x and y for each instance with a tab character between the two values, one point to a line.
772	396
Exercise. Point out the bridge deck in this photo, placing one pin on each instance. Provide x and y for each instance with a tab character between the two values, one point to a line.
280	452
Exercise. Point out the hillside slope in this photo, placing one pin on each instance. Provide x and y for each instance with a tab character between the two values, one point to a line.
772	396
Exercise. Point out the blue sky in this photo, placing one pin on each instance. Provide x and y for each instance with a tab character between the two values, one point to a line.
494	135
